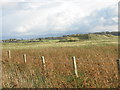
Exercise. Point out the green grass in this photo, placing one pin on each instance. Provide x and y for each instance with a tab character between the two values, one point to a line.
90	55
55	43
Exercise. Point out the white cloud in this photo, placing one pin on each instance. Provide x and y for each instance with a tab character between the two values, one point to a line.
52	15
115	19
105	28
21	29
102	19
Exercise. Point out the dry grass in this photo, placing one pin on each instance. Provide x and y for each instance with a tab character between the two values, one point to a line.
96	68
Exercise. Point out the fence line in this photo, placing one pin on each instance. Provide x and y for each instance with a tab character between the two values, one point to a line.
74	63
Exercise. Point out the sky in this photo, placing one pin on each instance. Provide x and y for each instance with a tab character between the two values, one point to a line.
45	18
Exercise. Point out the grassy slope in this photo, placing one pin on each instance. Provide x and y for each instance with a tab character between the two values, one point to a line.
56	43
95	60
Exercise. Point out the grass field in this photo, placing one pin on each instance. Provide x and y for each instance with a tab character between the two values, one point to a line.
96	63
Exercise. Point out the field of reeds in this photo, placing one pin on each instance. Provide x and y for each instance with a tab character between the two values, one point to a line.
96	65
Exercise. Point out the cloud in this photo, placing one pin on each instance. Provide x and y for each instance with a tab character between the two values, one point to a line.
47	17
105	19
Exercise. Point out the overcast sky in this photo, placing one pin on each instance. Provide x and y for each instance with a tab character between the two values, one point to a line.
30	18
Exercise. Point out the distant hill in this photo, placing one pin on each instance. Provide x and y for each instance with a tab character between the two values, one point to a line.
104	33
78	37
71	38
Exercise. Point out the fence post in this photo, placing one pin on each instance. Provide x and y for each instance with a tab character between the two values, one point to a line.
118	65
9	54
43	61
24	57
75	66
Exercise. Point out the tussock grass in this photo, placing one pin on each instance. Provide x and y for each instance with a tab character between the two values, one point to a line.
96	64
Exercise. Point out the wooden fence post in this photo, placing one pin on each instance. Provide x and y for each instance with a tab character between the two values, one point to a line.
9	54
118	66
75	66
43	61
44	70
24	57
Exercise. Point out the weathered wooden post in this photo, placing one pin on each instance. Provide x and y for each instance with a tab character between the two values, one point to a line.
24	57
9	54
75	66
43	61
44	70
118	66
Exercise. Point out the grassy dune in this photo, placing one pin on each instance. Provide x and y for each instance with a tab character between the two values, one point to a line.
56	43
96	62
